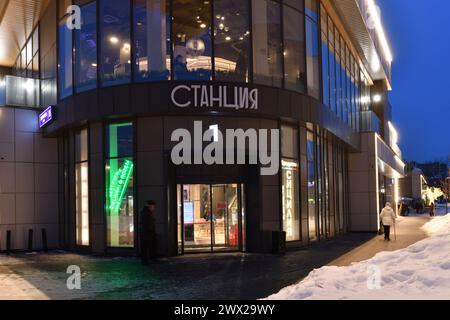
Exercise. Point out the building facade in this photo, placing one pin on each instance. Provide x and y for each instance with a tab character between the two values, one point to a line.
119	78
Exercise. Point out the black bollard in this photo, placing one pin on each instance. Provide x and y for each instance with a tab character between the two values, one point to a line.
44	240
8	242
30	240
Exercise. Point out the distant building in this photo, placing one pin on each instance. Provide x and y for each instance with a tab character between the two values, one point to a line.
413	185
435	172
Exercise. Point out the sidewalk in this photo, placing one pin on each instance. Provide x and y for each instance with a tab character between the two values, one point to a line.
190	277
408	233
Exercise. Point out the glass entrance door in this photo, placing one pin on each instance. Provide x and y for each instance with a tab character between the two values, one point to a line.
210	218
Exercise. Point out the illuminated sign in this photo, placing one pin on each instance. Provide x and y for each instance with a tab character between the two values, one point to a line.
188	210
288	195
210	96
119	185
46	117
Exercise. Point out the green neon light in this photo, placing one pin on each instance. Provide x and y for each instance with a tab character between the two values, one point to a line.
119	185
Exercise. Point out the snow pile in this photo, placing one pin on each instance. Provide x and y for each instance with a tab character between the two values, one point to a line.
438	226
421	271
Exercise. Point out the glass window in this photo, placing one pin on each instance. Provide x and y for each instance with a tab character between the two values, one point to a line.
267	44
358	99
63	5
332	65
36	67
231	40
294	49
349	87
29	47
290	196
2	91
36	41
119	191
289	142
86	49
325	56
337	51
30	70
115	44
311	9
341	191
65	60
344	82
326	197
320	185
82	188
24	63
151	40
312	58
297	4
192	40
311	187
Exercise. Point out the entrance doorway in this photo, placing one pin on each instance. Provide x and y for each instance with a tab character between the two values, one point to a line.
211	218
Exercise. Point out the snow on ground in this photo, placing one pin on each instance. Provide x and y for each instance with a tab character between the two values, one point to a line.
439	225
421	271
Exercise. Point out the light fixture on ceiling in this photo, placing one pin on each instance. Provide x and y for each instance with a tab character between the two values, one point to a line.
377	98
374	13
114	40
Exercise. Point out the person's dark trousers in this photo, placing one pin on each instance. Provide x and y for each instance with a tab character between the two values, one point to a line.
153	254
145	251
387	232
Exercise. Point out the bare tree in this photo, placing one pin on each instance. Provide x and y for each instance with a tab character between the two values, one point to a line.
445	187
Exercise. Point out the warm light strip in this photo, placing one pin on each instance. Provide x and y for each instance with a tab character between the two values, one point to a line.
380	30
393	131
399	161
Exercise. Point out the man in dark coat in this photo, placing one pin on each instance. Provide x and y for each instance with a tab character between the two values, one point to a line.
148	232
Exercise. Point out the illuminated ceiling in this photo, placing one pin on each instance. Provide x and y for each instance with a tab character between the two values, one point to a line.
17	20
353	18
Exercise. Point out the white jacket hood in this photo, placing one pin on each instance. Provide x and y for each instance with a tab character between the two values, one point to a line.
388	216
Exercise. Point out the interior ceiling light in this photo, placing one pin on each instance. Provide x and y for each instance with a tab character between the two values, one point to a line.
374	13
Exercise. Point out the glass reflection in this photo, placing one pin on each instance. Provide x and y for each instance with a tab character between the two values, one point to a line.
116	48
231	40
151	40
294	49
65	60
311	188
192	40
86	49
267	44
119	191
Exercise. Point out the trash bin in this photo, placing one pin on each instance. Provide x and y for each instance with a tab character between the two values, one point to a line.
278	242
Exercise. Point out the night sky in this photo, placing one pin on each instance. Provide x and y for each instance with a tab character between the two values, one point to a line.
419	34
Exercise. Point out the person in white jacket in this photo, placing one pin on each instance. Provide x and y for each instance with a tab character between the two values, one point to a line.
388	218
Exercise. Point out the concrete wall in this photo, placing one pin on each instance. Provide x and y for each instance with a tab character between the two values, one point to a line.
28	180
363	186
